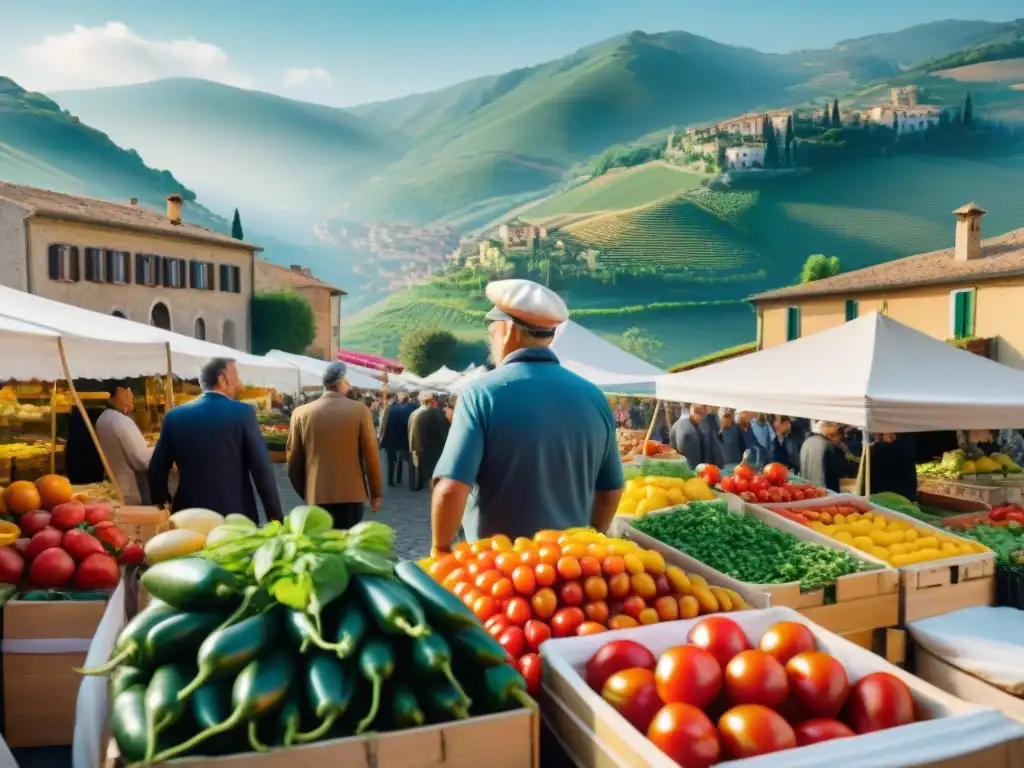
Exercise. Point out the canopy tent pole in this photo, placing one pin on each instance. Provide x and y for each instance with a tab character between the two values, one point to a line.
866	462
53	428
88	422
169	383
650	427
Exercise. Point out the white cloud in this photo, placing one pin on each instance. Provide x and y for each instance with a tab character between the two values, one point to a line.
112	54
300	77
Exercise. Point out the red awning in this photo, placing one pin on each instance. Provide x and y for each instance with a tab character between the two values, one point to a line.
370	361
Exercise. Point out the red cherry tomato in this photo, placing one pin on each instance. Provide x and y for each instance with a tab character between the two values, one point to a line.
758	483
634	694
775	473
711	475
740	485
755	677
686	735
614	657
529	668
743	472
750	730
536	633
786	639
821	729
689	675
565	622
879	701
818	682
727	484
721	637
514	641
517	611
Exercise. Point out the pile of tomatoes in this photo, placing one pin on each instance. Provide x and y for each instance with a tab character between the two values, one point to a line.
574	582
720	698
770	486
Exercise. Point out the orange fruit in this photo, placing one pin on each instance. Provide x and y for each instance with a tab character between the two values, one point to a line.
569	568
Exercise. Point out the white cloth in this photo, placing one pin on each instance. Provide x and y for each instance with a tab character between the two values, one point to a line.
125	449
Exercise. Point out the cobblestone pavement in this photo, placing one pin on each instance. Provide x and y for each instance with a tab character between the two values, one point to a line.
406	511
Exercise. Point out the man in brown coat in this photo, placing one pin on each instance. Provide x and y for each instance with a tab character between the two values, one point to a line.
333	460
428	430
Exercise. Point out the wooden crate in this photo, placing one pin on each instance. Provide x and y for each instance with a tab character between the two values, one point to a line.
890	644
40	689
142	523
508	740
984	494
935	589
964	685
278	457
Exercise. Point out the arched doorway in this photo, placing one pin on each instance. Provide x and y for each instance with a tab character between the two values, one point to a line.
228	338
160	316
199	329
118	313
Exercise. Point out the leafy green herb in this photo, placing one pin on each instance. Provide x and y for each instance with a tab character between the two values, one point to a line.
1006	541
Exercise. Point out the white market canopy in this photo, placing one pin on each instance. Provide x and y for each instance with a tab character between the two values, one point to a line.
187	354
442	377
872	372
311	370
601	362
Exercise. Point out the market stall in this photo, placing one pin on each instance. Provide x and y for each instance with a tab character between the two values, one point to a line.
311	371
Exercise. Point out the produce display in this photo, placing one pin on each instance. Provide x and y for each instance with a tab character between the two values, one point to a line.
722	696
576	582
905	506
190	530
896	542
275	435
650	493
61	543
678	469
23	451
954	464
294	633
771	485
747	549
1001	530
631	443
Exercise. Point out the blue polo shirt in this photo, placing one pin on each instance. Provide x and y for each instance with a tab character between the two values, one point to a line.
534	441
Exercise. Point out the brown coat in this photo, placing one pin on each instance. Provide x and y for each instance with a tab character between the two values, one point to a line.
332	451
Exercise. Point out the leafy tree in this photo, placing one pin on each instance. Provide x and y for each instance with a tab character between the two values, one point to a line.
282	320
424	350
236	227
819	266
638	342
968	113
789	139
771	144
836	122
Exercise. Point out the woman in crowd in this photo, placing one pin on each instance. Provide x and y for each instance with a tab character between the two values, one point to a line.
822	461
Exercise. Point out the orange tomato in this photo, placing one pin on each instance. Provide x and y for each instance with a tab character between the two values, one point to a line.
474	568
597	610
590	628
524	580
549	553
619	586
545	574
501	543
595	588
503	589
648	616
461	588
667	608
470	596
633	563
613	564
547	536
484	545
484	607
590	566
529	557
522	544
633	605
487	558
457	576
544	603
575	549
571	593
689	608
642	585
506	562
442	567
622	622
569	568
462	552
518	610
597	551
487	579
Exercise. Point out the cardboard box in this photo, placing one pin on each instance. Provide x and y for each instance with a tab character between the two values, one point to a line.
950	733
41	688
507	740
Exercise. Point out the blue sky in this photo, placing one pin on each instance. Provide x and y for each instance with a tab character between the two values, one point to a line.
346	52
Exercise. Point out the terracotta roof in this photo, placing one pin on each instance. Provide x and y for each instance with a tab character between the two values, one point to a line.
55	205
279	276
1000	257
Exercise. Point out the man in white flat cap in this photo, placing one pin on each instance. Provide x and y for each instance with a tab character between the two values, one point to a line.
532	445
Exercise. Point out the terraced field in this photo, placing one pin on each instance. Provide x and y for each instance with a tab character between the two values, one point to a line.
677	234
1006	70
615	191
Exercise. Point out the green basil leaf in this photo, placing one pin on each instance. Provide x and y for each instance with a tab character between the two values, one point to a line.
266	557
291	591
330	577
309	520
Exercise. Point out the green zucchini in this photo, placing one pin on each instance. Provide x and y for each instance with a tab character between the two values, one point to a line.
258	690
472	645
130	642
353	625
361	562
163	709
392	606
444	611
128	723
432	656
330	689
177	637
228	649
403	708
211	705
124	677
377	665
303	632
193	584
289	717
443	702
503	689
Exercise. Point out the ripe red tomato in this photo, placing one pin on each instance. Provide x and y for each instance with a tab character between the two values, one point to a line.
797	494
536	633
634	694
727	484
517	611
614	657
755	677
758	483
720	636
775	473
513	641
818	682
750	730
740	485
761	494
711	474
686	735
529	668
879	701
821	729
743	471
565	622
786	639
571	593
689	675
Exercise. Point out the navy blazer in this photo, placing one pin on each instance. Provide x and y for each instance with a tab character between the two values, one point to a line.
217	445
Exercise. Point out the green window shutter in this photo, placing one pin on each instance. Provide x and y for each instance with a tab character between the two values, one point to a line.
959	315
852	309
792	323
969	302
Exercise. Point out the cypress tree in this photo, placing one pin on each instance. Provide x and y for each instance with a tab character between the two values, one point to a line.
789	139
236	227
836	123
968	116
771	144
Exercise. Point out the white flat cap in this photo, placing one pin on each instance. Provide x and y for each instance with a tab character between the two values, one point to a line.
528	304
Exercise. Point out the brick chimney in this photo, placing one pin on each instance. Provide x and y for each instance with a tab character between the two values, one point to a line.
967	245
174	208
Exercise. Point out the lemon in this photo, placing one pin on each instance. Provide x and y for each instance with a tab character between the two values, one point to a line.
911	535
861	528
676	496
882	553
696	489
879	523
838	519
627	507
898	549
634	483
924	555
897	537
901	560
863	543
928	542
844	536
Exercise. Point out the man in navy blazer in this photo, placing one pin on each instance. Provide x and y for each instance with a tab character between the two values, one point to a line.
216	443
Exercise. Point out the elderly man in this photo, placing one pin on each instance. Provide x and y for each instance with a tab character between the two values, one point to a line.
124	445
333	460
534	442
822	461
428	430
394	438
685	436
